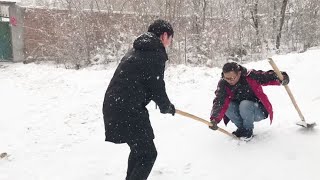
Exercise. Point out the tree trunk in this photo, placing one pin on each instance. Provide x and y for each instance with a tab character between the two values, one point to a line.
204	14
255	19
274	21
282	13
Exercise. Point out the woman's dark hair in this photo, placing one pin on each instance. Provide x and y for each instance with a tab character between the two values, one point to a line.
160	26
231	66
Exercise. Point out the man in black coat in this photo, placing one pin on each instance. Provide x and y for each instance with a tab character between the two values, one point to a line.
137	80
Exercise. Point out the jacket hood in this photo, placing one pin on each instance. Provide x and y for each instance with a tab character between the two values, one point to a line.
244	71
148	41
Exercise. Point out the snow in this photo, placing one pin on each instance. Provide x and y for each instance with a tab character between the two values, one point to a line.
51	126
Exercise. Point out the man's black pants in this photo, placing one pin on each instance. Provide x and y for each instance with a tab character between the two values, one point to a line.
141	159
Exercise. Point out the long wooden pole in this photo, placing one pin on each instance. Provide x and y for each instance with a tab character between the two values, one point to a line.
204	121
277	71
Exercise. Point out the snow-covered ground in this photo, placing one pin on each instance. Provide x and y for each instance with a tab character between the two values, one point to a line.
51	126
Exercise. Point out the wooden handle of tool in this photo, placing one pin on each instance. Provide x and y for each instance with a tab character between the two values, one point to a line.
277	71
193	117
275	68
203	121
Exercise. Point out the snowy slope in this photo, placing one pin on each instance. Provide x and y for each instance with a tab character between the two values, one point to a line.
51	126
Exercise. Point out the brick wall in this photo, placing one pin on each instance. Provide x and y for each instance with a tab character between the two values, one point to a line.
44	28
51	34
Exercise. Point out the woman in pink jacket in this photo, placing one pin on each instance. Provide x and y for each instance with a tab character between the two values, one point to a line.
240	98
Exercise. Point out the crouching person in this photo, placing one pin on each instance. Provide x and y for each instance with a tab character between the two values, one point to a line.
240	98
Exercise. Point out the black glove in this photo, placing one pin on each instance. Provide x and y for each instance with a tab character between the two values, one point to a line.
286	79
214	125
169	110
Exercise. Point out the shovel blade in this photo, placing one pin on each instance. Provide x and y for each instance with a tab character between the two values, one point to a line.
305	124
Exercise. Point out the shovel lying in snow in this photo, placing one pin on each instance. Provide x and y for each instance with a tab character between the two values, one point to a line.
203	121
303	122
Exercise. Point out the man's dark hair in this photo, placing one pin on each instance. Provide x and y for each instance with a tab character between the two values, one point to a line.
231	66
160	26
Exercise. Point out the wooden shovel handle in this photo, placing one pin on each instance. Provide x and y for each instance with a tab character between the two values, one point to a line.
277	71
203	121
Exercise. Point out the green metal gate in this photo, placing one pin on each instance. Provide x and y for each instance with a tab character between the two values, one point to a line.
5	41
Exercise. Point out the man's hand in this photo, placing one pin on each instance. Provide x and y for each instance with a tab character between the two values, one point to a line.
214	125
286	79
170	110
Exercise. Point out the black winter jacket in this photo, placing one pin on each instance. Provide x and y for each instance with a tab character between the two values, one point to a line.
137	80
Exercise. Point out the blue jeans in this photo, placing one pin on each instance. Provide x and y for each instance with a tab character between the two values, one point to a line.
243	114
